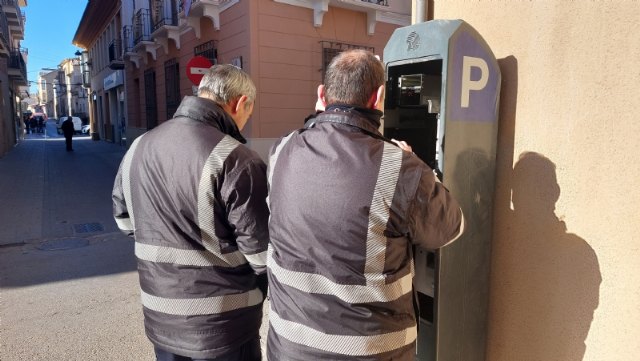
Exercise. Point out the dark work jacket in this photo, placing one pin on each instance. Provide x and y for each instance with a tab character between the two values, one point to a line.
346	208
195	199
67	127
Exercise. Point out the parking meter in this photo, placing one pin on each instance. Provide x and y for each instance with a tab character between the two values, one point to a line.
442	92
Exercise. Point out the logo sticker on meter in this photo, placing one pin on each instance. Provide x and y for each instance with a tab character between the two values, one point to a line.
473	81
413	41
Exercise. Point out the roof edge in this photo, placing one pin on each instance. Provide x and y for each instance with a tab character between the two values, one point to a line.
96	14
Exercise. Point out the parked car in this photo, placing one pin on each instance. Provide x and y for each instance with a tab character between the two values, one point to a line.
77	124
86	128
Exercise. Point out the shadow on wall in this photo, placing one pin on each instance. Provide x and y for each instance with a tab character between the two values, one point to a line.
552	277
545	282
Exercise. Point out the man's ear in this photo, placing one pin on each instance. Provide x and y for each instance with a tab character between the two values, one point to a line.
240	102
321	103
379	101
376	100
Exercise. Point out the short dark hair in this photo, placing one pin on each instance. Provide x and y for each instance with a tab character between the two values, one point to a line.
352	77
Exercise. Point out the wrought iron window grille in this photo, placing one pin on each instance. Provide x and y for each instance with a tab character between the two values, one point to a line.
332	48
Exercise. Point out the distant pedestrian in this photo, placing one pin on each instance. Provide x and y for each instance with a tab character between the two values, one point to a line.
194	198
40	124
34	124
68	129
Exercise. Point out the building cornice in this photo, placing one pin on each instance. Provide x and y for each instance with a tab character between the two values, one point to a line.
96	16
375	12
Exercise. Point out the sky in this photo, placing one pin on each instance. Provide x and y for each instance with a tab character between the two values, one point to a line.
49	31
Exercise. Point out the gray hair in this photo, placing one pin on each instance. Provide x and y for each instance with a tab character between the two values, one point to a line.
352	77
225	83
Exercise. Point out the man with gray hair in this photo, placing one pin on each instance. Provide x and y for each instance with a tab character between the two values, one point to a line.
194	198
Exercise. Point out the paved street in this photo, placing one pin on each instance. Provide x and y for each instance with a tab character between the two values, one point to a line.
68	285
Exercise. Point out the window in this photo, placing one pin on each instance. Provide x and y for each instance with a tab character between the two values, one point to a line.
208	50
151	107
172	86
330	49
164	12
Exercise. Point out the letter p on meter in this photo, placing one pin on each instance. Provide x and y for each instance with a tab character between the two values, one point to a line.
468	85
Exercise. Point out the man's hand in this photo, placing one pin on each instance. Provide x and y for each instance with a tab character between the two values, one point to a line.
403	145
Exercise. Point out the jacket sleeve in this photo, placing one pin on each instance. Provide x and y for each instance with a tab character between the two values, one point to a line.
435	218
245	193
120	211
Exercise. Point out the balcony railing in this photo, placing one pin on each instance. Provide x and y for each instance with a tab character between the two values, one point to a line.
115	50
141	26
4	25
12	10
4	41
115	54
12	3
4	33
127	38
166	14
378	2
16	61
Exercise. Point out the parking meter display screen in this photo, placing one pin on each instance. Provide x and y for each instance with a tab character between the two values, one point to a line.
419	90
410	89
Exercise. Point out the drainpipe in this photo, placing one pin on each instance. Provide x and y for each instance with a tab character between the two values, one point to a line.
418	11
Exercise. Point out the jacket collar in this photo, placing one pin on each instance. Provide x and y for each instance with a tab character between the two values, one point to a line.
366	119
207	111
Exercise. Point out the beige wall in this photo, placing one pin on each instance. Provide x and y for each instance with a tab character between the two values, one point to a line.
566	252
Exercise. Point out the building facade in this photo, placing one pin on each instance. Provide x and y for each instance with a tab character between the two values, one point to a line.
70	89
61	91
283	45
99	33
13	73
46	92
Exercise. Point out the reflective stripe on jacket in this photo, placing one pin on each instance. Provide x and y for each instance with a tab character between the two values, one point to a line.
346	209
195	199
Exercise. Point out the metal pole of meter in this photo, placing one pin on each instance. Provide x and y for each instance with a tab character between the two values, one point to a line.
418	11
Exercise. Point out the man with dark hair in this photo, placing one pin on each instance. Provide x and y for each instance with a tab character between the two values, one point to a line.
347	206
194	198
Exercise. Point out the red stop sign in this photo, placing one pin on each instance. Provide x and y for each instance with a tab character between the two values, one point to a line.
196	68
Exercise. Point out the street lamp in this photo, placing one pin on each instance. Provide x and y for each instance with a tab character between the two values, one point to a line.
85	69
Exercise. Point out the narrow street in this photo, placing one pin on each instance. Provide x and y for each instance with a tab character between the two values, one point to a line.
68	282
68	286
